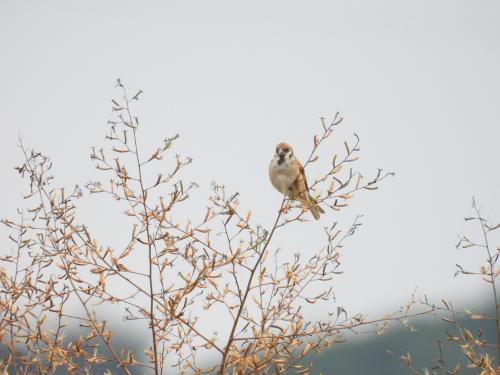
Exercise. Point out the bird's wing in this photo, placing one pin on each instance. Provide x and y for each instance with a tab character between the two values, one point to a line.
300	185
300	191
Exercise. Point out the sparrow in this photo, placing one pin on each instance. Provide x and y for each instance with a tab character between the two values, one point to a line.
288	177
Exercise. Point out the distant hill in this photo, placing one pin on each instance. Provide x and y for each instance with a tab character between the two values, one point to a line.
369	355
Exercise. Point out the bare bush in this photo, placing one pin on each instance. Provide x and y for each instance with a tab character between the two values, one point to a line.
477	351
172	275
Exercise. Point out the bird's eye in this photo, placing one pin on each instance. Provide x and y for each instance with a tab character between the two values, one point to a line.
277	150
286	150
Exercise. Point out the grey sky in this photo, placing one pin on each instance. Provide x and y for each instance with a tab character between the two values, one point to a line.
418	81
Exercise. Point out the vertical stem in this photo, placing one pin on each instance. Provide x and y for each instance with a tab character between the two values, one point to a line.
230	340
150	252
492	281
441	361
148	233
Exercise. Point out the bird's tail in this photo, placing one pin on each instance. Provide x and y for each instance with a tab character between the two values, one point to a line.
314	207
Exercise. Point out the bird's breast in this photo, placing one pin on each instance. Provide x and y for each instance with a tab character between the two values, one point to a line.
282	176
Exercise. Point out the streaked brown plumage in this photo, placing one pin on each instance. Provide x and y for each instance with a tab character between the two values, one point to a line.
288	177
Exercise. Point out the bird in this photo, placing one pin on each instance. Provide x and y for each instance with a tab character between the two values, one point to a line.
288	177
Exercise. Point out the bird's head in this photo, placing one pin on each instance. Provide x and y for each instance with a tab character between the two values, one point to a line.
283	152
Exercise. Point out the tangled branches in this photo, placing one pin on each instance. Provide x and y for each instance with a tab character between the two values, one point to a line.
175	276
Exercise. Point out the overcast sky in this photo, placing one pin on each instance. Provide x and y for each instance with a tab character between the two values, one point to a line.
419	81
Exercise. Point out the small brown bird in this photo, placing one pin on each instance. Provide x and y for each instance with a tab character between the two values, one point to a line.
288	177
